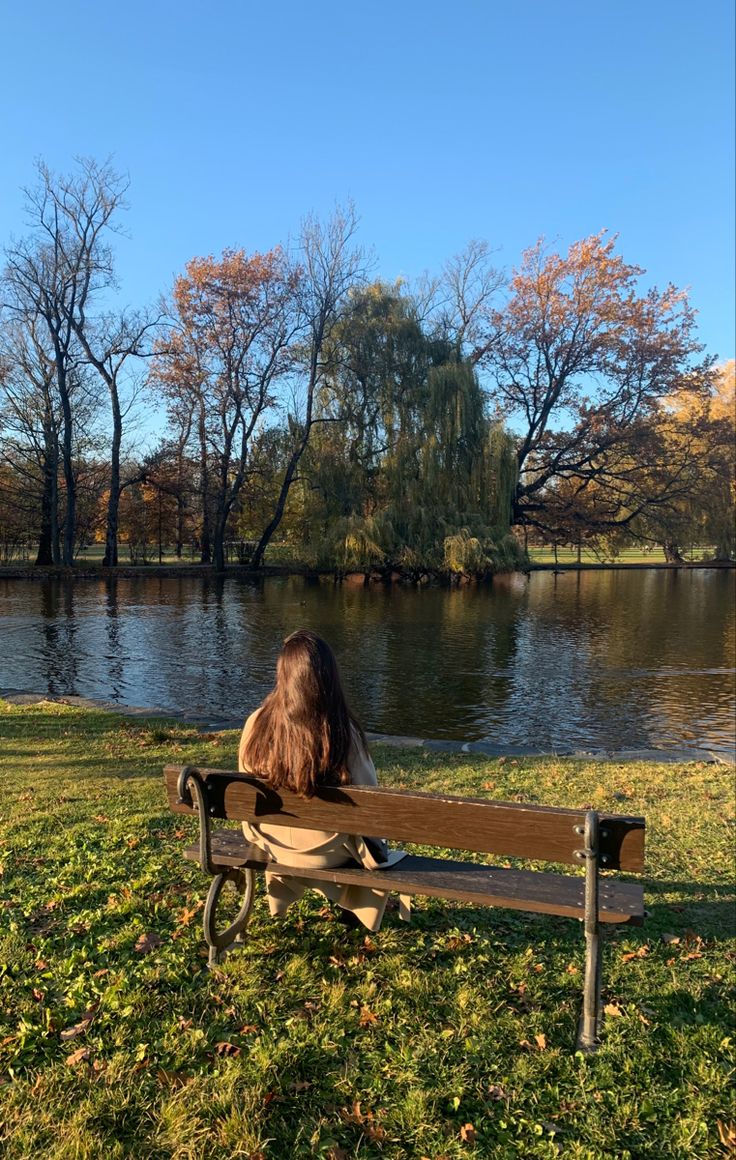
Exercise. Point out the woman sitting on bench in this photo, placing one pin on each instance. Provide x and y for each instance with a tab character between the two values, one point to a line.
304	736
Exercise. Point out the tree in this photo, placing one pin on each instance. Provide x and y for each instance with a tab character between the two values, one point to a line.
228	347
32	421
329	267
108	345
54	275
699	434
583	364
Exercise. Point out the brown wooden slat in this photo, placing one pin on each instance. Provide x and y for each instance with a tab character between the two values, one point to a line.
503	828
538	892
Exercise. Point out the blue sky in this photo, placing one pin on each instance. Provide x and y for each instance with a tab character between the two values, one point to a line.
442	121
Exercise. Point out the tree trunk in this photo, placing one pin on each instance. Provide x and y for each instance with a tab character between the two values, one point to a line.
49	517
204	489
265	539
70	516
110	559
672	553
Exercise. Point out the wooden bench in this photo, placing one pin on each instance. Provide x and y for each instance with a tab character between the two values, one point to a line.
586	838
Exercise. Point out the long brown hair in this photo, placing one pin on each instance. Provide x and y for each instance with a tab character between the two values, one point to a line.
304	730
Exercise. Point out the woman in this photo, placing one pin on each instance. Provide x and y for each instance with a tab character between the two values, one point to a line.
304	736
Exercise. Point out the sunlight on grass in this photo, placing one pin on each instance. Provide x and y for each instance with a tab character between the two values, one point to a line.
449	1037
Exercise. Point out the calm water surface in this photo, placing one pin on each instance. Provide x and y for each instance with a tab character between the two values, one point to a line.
586	660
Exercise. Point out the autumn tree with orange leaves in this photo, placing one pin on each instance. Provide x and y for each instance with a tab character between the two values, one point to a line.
581	365
220	361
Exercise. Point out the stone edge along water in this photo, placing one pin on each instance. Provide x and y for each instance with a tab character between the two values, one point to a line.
486	748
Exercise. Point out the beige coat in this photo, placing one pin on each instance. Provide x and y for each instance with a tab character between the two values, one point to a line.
322	849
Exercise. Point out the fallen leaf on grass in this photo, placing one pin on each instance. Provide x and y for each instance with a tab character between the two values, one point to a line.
81	1027
571	969
337	1154
102	819
496	1092
367	1017
246	1029
671	938
227	1049
642	953
301	1085
467	1134
147	942
613	1010
171	1079
727	1136
189	913
77	1057
456	941
39	996
540	1043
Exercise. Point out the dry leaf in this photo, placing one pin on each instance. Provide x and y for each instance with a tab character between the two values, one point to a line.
727	1136
147	942
248	1029
571	969
81	1027
541	1041
77	1057
227	1049
467	1134
171	1079
496	1092
301	1085
367	1017
613	1010
39	996
642	953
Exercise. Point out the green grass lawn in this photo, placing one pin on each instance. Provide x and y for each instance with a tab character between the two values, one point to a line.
452	1037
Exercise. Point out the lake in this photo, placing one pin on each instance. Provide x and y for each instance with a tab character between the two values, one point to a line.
581	660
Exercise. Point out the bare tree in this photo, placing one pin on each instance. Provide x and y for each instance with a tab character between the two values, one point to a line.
109	343
329	266
55	274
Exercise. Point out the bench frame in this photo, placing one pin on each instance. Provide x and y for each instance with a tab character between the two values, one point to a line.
599	842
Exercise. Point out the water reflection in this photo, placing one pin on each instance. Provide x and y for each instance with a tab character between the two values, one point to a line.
614	659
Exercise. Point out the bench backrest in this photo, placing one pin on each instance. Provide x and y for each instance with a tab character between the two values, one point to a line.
459	823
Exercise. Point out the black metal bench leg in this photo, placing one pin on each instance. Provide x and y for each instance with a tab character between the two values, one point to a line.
220	942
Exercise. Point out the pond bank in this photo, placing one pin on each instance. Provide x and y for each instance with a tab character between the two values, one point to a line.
358	577
208	724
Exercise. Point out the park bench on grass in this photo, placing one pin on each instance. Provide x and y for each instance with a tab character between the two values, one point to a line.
508	829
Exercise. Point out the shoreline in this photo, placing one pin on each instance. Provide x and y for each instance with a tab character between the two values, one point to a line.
364	576
208	723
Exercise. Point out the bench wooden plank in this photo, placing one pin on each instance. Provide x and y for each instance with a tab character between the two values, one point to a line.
543	892
500	828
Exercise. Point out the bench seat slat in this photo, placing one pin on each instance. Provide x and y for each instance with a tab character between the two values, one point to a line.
540	892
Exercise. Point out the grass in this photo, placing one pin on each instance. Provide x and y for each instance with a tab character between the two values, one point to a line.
449	1038
282	555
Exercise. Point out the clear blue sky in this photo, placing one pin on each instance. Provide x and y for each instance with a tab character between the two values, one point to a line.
442	121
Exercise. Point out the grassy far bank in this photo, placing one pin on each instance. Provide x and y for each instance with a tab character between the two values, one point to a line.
281	556
451	1037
